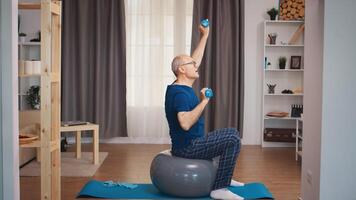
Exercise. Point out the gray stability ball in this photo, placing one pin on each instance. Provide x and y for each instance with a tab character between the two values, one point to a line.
182	177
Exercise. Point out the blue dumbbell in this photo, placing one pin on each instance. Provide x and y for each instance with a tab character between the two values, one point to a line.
209	93
204	23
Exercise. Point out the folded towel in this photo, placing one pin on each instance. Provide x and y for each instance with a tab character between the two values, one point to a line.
120	184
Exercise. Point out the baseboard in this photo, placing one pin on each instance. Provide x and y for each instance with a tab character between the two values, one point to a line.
133	140
124	140
136	140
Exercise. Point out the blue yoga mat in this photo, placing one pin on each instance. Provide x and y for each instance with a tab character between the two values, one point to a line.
98	189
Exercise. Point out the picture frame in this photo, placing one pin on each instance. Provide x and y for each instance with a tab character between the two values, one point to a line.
295	62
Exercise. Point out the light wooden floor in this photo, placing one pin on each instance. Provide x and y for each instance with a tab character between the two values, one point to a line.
275	167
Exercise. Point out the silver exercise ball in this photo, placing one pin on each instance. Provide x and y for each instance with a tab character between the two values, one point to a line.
182	177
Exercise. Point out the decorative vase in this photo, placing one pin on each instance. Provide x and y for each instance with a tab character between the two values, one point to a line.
282	65
22	39
271	88
272	38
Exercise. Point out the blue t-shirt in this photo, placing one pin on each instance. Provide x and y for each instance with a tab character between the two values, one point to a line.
181	98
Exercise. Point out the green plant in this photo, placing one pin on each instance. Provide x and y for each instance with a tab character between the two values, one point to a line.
22	34
273	12
282	62
33	97
282	59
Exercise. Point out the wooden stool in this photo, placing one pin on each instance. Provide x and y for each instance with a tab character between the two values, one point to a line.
86	127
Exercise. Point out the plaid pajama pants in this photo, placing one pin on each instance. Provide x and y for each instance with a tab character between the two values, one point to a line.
221	142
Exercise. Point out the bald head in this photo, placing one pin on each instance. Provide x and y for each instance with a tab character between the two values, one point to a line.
178	61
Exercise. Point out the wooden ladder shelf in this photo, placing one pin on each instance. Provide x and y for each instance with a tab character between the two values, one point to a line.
49	143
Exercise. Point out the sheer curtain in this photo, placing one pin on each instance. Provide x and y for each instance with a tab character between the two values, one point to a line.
156	31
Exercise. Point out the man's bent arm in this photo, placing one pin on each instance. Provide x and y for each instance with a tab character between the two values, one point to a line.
188	119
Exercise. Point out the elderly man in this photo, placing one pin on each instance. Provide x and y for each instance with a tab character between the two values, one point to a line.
183	112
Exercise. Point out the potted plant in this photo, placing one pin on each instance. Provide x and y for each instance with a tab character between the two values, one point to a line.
273	12
33	97
282	62
22	37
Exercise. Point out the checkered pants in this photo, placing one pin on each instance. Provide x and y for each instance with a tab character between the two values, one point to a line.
221	142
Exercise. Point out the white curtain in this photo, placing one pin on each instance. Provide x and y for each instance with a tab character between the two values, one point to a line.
156	31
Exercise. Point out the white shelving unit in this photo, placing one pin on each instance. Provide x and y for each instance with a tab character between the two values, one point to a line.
299	139
287	78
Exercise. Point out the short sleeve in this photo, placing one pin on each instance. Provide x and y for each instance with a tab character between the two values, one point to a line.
181	102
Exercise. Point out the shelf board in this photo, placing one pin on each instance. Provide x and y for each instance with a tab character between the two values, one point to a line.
29	75
281	118
284	94
36	143
285	21
29	6
284	70
29	43
287	45
30	110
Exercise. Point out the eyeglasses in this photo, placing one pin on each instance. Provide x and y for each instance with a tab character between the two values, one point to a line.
193	62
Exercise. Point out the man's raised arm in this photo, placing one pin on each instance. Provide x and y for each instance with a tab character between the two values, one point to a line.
199	50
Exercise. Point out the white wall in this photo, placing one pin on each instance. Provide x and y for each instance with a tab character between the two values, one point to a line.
338	135
313	62
1	159
329	161
255	14
9	147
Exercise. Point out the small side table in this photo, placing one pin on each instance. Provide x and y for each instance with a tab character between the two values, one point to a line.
86	127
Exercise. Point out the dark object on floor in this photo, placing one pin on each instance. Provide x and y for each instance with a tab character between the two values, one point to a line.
279	135
287	92
97	189
297	109
64	145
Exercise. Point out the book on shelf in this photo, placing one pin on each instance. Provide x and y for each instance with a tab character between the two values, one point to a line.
73	123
